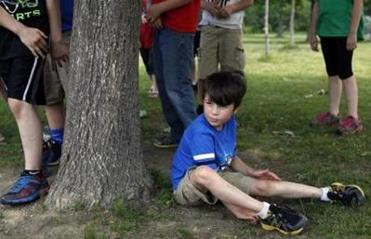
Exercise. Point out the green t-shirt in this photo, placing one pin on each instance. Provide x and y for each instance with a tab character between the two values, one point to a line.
335	17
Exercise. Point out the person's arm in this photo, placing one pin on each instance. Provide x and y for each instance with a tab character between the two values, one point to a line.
155	10
229	9
59	50
32	38
356	17
238	165
313	41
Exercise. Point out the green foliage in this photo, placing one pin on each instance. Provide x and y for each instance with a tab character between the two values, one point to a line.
279	16
92	232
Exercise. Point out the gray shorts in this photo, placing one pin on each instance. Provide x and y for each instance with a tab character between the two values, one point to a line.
188	194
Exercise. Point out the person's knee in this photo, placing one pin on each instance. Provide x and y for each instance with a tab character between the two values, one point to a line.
203	175
263	187
17	107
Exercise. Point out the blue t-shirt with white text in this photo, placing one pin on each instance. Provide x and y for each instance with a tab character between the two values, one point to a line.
202	144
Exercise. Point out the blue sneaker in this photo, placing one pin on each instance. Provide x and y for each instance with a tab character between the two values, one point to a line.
26	189
52	152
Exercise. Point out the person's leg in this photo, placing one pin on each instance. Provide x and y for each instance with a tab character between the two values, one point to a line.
351	92
29	126
231	51
176	126
245	207
267	188
207	179
335	90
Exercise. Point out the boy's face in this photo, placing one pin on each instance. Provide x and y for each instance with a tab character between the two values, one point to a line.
217	115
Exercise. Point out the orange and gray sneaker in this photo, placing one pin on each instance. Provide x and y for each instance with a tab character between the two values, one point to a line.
325	119
350	125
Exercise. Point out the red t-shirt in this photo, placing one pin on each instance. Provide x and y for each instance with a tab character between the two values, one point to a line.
182	19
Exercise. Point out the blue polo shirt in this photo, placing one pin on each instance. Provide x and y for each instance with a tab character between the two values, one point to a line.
67	14
202	144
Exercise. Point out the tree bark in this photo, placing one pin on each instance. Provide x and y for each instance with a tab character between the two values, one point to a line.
102	157
292	23
266	27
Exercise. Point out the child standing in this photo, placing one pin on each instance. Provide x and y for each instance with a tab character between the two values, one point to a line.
24	27
176	22
146	44
206	168
337	26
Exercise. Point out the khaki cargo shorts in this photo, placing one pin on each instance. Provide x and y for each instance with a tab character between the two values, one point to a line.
188	194
54	80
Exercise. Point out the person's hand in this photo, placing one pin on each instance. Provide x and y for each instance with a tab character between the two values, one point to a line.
59	53
351	42
35	40
153	13
157	23
212	7
313	42
265	174
225	12
144	19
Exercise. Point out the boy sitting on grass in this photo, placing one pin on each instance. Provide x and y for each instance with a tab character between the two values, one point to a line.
206	168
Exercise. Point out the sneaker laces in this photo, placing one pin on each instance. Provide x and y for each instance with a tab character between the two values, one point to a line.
20	183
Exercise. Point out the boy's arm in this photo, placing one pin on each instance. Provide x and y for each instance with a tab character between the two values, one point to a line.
229	9
32	38
59	50
238	165
313	41
356	17
155	10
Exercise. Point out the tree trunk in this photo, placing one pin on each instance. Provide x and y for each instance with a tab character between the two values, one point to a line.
266	27
102	157
292	23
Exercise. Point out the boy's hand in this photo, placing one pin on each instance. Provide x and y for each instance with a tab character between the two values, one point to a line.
212	7
35	40
225	12
313	41
157	23
351	42
59	53
265	174
153	12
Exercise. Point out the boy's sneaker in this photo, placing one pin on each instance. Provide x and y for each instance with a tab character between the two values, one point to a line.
52	152
284	220
325	119
26	189
165	142
350	125
349	195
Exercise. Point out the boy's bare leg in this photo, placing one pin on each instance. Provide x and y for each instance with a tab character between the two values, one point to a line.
335	89
241	204
29	127
351	91
267	188
56	115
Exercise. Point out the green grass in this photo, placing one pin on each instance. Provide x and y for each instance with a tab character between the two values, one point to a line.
277	101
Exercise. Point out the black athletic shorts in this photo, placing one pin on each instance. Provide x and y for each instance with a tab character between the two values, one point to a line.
23	79
337	58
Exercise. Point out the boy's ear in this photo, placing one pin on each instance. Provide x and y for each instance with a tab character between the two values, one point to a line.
236	109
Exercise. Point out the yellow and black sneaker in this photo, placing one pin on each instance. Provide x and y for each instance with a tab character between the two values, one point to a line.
284	220
349	195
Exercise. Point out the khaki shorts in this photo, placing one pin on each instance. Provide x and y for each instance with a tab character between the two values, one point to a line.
188	194
54	80
220	47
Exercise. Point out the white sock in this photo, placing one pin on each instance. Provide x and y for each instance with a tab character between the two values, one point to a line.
264	212
324	196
